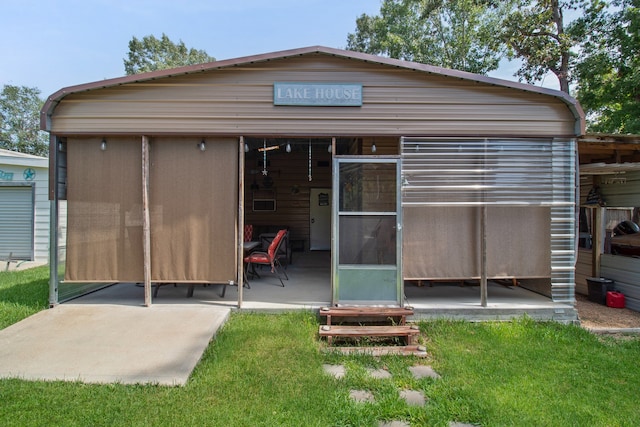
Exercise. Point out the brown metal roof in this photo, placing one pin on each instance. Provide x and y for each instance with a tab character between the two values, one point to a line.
54	99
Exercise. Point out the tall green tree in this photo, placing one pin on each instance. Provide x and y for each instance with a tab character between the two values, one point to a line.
535	31
151	54
20	121
457	34
608	70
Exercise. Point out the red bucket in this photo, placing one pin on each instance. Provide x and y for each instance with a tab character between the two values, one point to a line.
615	299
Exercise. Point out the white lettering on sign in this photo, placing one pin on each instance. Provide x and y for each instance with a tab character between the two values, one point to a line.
317	94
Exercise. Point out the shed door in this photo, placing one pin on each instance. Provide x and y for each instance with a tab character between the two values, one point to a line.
367	220
320	219
16	222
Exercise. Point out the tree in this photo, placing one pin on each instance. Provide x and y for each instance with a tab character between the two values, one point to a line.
151	54
608	71
535	32
20	121
457	34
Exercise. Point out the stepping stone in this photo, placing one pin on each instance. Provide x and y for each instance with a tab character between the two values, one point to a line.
361	396
379	373
457	424
421	371
393	424
413	397
337	371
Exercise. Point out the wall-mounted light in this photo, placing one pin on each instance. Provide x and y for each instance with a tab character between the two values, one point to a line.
373	147
329	149
103	144
288	148
202	145
246	147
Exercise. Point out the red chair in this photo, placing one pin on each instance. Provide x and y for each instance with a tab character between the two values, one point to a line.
266	258
248	232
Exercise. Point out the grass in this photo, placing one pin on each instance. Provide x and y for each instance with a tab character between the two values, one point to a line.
22	293
266	370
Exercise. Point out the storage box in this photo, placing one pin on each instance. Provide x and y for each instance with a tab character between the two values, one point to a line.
598	288
615	299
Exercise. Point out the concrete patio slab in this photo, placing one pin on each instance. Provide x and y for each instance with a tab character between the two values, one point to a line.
110	343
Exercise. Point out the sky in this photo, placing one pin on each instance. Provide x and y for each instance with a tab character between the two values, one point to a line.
53	44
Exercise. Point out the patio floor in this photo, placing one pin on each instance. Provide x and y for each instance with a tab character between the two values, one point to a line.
309	287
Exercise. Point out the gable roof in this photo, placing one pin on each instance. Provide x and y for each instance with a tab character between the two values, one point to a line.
54	99
22	159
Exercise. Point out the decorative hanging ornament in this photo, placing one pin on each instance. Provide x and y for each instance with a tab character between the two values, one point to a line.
310	177
264	158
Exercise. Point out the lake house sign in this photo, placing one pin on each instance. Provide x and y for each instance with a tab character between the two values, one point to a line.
318	94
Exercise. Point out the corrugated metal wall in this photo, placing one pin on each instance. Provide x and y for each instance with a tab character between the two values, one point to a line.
563	220
503	174
239	101
624	191
16	222
29	171
625	271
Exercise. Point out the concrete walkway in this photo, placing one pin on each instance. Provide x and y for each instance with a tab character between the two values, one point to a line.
104	343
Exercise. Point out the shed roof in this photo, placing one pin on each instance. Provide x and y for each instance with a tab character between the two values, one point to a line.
55	98
22	159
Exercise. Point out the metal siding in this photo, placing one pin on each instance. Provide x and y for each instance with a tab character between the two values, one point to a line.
42	217
625	271
395	102
622	194
563	221
16	222
501	172
477	171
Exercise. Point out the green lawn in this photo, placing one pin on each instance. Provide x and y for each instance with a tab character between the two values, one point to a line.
266	370
22	293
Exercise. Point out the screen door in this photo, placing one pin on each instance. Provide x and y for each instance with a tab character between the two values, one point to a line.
366	261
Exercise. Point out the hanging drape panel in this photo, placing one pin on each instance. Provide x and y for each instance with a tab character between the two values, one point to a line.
193	207
447	181
519	241
104	208
441	242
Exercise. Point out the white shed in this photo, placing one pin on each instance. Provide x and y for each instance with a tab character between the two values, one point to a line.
24	207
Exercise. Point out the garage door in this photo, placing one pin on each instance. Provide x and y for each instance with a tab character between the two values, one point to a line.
16	222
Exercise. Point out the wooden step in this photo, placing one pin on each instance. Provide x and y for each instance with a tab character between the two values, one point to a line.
368	331
361	331
367	312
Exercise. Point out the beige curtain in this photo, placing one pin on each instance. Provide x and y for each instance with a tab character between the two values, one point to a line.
444	242
519	242
104	234
441	242
193	205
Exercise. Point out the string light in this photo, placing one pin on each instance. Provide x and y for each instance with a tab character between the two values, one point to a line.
310	177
